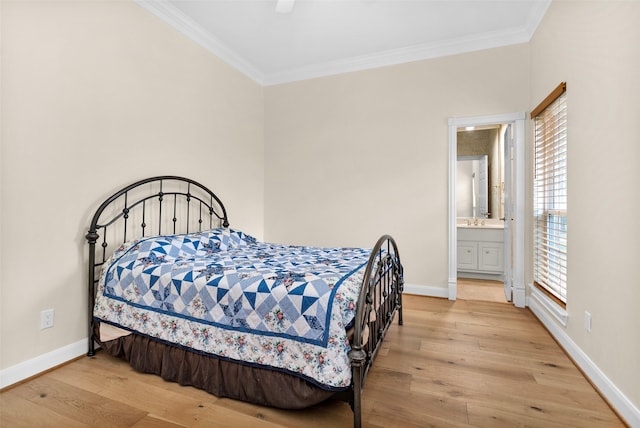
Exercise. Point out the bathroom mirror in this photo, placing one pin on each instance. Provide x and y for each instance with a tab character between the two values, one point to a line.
472	187
480	172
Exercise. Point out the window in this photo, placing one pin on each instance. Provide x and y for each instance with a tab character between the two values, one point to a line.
550	195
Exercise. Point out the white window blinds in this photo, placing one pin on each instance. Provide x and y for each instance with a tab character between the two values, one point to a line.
550	195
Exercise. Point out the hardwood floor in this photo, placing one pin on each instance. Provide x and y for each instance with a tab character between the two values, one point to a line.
452	364
481	289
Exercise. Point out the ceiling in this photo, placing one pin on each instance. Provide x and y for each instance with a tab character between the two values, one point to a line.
325	37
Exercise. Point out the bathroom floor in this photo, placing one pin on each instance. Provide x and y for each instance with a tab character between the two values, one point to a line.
481	289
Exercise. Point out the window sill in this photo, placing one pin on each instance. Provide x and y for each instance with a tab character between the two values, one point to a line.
558	312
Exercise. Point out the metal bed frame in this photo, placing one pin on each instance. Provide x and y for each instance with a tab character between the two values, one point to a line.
174	205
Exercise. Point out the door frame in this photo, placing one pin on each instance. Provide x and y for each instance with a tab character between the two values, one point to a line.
508	209
518	202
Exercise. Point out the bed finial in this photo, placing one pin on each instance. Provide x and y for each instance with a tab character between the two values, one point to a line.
92	237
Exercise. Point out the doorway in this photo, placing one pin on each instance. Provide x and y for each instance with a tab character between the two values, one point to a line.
513	250
483	290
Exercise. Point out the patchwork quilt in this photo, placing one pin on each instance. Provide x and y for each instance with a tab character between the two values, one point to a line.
223	293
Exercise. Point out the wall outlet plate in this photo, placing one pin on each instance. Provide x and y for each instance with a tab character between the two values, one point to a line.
46	318
587	321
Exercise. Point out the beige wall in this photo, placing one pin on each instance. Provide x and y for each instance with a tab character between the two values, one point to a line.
353	156
594	47
96	95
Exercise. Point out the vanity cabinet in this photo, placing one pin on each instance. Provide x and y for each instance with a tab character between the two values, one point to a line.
490	257
467	256
480	252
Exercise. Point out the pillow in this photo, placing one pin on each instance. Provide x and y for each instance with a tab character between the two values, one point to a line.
223	239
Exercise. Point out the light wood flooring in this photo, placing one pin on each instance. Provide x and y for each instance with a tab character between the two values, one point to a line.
452	364
481	289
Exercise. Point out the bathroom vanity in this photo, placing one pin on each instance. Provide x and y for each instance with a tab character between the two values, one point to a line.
481	251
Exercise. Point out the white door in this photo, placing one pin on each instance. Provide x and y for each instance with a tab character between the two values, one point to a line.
508	211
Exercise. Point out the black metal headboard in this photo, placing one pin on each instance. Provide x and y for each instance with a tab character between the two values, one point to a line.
153	206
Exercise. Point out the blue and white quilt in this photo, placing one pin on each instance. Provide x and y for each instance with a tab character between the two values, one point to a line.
223	293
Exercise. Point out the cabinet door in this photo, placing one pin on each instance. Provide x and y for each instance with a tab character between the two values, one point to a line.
467	256
490	256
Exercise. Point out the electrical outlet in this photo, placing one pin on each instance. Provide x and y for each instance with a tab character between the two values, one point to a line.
46	319
587	321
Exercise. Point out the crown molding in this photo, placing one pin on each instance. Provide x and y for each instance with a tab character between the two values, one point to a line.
535	17
181	22
400	56
177	19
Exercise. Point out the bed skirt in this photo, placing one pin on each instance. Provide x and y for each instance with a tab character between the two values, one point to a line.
219	377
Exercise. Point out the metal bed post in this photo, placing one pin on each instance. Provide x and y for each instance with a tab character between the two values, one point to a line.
92	238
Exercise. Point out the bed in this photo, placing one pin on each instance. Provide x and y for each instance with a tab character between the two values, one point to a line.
177	292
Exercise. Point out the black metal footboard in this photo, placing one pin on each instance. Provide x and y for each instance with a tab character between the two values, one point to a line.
380	298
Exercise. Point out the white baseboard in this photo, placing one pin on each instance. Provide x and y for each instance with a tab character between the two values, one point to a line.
426	290
629	412
44	362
